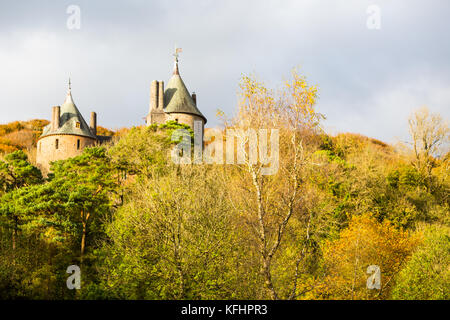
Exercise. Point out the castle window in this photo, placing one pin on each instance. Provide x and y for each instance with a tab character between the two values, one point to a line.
57	144
78	144
78	125
176	120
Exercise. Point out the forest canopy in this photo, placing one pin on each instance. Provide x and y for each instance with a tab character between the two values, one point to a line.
142	227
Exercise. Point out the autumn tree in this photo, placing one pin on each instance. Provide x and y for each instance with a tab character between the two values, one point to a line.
364	243
426	275
173	239
271	198
430	136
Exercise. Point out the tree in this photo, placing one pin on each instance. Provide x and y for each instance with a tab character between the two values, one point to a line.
16	172
173	239
144	149
364	243
85	185
426	275
62	213
270	201
429	133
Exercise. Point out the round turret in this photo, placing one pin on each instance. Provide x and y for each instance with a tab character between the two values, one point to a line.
66	136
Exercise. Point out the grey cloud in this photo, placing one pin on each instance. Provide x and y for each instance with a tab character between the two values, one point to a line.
369	80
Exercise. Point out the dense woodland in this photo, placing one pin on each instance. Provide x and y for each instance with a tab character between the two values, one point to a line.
142	227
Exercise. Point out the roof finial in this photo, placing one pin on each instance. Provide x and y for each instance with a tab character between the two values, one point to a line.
176	55
69	92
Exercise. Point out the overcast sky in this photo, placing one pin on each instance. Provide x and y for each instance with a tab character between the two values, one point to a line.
369	80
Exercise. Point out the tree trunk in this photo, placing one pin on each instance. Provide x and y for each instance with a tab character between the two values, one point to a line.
14	234
266	258
181	275
83	241
14	240
84	221
268	279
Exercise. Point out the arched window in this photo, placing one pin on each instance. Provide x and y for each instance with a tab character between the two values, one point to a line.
57	144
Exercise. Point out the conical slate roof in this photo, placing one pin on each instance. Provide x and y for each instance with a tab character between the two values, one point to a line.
177	98
69	117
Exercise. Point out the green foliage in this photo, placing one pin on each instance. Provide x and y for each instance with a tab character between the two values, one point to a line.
57	215
393	178
141	227
171	126
35	269
404	177
141	152
17	172
172	239
85	184
326	142
426	276
331	157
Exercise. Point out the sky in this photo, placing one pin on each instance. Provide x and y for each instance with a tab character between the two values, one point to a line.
369	79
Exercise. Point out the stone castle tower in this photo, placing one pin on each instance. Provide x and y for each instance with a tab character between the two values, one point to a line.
66	136
68	133
173	103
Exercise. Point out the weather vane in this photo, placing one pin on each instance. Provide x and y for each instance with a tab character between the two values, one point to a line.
177	53
69	84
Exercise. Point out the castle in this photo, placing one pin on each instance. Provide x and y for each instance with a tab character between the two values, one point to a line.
68	133
173	103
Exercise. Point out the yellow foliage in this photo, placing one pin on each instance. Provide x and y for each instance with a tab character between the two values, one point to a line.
365	242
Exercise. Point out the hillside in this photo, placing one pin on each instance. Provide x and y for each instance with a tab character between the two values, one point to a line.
308	220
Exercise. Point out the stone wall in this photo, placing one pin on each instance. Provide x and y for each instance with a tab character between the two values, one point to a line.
186	119
67	148
156	116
